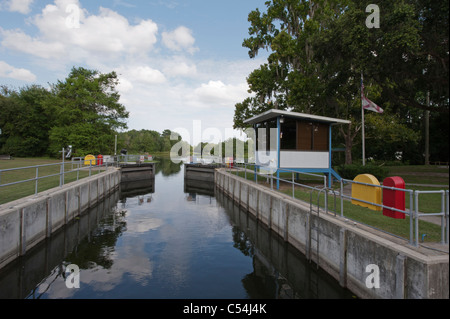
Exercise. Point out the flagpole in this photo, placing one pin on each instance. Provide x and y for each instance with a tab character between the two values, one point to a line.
363	132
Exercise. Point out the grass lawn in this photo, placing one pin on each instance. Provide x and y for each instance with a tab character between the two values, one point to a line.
421	174
428	203
417	175
17	191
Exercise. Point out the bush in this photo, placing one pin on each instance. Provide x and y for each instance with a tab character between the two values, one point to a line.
353	170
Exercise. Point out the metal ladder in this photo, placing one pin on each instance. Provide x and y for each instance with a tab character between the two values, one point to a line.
314	239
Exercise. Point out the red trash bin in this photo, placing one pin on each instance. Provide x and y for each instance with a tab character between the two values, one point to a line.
100	160
394	198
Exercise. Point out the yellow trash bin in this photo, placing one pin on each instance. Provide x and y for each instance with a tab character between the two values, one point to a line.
89	160
366	192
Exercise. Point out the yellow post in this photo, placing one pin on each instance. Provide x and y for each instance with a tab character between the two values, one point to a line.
89	160
366	192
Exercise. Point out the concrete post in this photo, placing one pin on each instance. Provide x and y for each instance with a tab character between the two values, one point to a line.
400	277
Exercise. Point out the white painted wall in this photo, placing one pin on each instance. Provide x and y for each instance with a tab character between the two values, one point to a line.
290	159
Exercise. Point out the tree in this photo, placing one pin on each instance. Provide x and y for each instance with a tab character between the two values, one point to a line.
248	108
25	120
396	59
82	111
146	141
167	143
88	112
295	77
388	137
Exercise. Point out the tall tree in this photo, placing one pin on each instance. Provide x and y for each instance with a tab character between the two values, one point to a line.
402	60
88	112
295	77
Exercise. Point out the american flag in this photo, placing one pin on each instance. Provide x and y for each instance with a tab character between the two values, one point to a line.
368	104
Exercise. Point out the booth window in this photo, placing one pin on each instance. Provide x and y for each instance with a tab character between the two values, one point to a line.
294	135
312	136
321	137
288	135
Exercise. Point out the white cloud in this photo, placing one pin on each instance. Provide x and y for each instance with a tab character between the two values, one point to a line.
124	85
19	41
21	6
62	36
8	71
146	75
136	79
217	93
178	66
180	39
209	94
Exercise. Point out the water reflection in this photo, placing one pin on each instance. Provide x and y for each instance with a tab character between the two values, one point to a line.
180	239
279	270
194	187
136	188
167	167
41	270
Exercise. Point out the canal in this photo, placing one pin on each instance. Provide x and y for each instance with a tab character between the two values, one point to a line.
166	239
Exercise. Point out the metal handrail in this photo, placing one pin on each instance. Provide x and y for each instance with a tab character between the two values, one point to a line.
62	172
412	212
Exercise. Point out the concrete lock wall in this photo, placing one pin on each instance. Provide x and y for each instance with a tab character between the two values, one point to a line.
203	173
344	250
137	172
28	221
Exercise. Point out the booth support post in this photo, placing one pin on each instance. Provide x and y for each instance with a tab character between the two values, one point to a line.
278	151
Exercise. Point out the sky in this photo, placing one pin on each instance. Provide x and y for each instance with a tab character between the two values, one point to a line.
180	63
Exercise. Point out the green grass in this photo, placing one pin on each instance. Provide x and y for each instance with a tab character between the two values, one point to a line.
424	175
17	191
421	174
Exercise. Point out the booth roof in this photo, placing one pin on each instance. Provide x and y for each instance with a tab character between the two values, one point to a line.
271	114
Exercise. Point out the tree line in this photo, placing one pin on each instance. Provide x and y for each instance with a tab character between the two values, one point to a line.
318	50
147	141
82	111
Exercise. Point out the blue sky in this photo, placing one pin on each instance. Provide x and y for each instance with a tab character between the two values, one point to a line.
178	61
